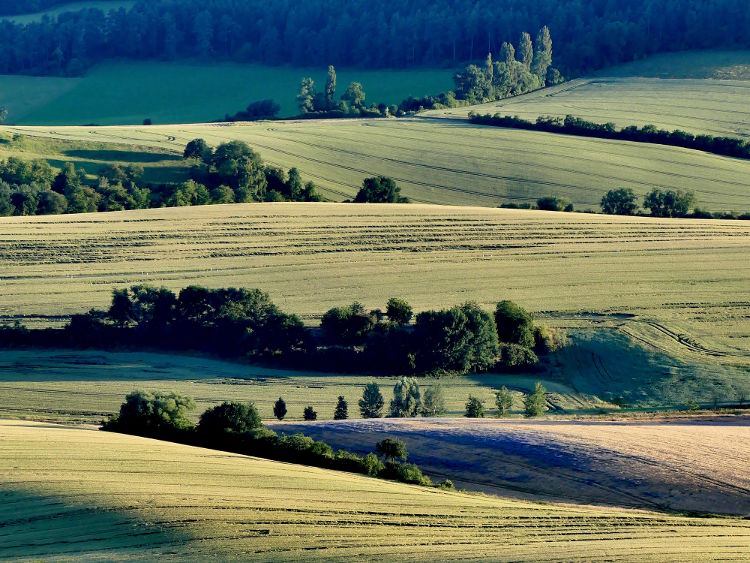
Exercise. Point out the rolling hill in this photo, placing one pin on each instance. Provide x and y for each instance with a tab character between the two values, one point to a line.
693	465
445	162
657	308
713	107
145	499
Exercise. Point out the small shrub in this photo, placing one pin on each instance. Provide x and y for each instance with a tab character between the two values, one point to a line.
230	417
536	402
391	448
399	312
474	408
448	485
310	414
548	340
504	401
552	204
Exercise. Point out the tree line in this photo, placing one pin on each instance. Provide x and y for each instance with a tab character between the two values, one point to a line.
237	427
571	125
244	324
623	201
367	34
516	72
231	173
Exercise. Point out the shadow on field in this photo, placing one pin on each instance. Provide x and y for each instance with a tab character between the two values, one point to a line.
534	460
38	525
108	156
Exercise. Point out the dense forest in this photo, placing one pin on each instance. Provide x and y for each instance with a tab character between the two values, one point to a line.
373	33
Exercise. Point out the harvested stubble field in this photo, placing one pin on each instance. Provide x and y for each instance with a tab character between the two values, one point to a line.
657	309
714	107
143	499
681	464
688	274
447	162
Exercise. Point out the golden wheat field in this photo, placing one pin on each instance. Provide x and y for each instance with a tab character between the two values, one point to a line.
78	494
686	279
434	161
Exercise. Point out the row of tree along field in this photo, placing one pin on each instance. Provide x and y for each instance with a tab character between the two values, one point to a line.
571	125
410	401
518	71
237	427
623	201
245	325
372	33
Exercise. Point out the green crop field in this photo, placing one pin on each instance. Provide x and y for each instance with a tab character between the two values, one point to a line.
145	499
183	92
714	107
703	92
657	308
446	162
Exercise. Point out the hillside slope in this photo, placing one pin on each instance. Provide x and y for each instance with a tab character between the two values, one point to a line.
685	465
448	162
84	494
713	107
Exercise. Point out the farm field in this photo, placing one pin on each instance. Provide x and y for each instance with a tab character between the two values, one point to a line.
125	92
713	107
148	499
444	162
682	465
656	309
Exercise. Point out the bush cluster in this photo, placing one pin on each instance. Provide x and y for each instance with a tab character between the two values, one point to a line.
246	324
236	427
231	173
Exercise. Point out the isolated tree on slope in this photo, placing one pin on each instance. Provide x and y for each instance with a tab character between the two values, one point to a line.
331	87
619	202
526	50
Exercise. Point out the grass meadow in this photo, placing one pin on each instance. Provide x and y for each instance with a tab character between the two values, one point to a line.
434	161
145	499
122	93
